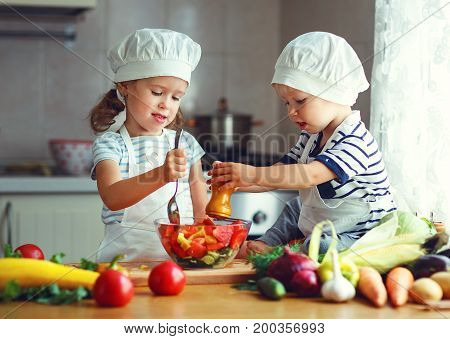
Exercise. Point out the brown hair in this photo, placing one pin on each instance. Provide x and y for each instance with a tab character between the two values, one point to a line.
103	114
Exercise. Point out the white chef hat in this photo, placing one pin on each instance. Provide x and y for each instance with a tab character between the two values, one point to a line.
154	52
324	65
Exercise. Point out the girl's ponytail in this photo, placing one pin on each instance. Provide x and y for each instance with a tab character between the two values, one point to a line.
102	115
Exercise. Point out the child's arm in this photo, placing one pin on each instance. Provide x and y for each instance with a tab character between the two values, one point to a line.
198	188
294	176
255	189
258	189
118	193
249	189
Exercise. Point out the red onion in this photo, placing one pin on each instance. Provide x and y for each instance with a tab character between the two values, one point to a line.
305	283
285	267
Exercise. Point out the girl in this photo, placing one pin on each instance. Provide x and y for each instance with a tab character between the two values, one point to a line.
336	164
137	166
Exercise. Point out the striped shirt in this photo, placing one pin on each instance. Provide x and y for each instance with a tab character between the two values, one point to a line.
110	146
352	154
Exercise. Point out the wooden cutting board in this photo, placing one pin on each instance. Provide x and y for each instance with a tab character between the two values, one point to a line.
240	270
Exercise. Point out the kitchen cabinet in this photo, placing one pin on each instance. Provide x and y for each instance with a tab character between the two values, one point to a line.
64	222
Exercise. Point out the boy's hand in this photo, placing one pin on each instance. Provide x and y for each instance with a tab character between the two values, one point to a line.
175	165
258	247
252	246
230	175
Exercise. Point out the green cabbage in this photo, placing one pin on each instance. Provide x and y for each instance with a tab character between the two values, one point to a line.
409	223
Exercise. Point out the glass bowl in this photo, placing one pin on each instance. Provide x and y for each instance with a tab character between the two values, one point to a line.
203	243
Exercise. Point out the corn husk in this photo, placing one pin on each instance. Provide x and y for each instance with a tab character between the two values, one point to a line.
385	256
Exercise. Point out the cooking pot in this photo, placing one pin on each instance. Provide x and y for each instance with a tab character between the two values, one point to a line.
223	131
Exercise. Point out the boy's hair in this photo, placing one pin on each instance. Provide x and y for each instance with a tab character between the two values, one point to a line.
103	113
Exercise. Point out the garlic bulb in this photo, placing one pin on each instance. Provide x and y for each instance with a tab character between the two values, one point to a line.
337	289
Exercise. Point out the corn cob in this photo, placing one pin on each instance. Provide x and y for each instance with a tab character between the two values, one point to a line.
35	273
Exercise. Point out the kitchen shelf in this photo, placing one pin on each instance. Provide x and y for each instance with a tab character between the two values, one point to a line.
21	185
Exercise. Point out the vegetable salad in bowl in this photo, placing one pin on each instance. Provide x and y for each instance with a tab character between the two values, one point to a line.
203	243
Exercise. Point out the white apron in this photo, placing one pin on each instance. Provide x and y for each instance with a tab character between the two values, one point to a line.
344	214
136	236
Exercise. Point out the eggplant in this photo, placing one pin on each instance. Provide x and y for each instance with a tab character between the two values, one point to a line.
445	253
435	243
428	265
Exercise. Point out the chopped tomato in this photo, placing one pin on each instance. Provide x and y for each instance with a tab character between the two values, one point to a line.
166	242
173	238
166	230
179	251
238	238
239	225
208	225
196	250
223	234
176	246
209	230
215	247
208	221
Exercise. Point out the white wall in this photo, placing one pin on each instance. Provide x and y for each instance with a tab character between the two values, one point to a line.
47	91
351	19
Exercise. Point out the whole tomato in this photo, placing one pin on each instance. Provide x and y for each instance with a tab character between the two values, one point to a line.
167	278
113	289
30	251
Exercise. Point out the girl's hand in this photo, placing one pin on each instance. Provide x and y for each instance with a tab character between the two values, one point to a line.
231	175
175	165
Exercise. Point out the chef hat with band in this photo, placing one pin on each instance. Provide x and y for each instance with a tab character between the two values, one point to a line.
154	52
324	65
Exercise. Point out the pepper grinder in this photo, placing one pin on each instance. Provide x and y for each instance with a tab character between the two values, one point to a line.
220	203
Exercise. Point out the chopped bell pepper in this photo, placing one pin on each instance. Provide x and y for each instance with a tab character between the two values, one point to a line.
210	239
198	234
113	265
184	243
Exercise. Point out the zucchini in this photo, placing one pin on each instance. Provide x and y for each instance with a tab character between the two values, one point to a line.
35	273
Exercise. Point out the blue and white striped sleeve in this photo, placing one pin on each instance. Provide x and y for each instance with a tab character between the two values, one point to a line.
346	158
293	156
105	147
194	146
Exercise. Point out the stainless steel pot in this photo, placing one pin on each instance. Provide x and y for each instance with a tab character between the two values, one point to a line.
223	131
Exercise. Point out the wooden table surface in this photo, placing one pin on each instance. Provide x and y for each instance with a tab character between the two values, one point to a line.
216	302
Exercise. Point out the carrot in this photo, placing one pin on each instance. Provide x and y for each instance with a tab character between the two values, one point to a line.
371	286
398	282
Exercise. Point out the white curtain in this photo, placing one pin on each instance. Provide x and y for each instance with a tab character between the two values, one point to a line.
410	100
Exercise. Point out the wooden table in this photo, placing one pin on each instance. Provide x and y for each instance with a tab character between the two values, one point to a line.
215	302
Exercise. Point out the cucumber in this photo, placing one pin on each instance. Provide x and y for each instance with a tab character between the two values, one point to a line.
213	254
208	259
271	288
230	251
